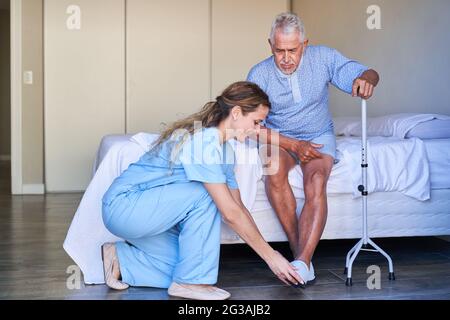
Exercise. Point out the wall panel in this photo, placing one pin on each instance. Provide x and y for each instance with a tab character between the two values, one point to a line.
84	86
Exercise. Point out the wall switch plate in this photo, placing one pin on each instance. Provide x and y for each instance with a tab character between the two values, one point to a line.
28	77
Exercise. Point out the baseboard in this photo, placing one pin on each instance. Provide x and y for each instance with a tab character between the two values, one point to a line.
30	189
5	157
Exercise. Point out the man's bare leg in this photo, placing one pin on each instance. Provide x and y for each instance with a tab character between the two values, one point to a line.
281	197
314	214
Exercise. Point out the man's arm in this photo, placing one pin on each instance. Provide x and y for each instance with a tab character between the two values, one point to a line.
364	86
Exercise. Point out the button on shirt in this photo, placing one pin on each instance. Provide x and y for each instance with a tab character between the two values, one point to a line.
300	101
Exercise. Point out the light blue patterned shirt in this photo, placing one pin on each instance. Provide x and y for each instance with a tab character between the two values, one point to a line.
300	101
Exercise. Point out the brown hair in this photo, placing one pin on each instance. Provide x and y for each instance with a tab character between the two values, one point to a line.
247	95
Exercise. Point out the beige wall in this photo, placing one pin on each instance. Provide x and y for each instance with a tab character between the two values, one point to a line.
171	73
239	37
32	95
84	88
176	58
411	51
168	61
5	96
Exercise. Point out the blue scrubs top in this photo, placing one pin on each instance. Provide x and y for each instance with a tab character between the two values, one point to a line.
201	158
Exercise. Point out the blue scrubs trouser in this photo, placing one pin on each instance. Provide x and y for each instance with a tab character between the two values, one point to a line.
172	234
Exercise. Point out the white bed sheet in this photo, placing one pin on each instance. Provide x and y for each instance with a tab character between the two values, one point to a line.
438	151
394	165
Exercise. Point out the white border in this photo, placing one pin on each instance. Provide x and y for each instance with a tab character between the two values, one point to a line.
16	97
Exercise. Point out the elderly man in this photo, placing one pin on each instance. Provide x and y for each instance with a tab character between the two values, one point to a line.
297	78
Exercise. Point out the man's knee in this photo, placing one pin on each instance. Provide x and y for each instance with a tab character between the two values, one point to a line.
315	185
277	181
280	177
276	161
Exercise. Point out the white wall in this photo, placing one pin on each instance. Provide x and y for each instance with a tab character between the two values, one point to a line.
5	96
411	51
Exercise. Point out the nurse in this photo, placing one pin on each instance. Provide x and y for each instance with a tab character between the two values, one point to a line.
166	206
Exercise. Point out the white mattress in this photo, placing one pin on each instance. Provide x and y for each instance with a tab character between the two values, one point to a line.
105	145
390	214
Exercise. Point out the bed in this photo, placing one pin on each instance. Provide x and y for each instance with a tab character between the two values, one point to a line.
412	198
390	214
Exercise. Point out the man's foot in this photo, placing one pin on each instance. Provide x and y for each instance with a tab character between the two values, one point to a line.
197	292
111	267
305	273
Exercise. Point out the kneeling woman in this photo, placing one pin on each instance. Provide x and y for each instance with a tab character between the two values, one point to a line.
166	206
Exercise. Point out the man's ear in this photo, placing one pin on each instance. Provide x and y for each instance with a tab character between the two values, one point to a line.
270	44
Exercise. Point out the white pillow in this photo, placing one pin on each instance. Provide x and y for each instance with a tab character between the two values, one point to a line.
342	125
398	125
433	129
378	127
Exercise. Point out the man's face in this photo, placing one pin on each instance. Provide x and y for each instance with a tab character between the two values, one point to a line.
288	50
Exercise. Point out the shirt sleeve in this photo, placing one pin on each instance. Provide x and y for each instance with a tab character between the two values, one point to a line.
230	161
257	76
201	158
343	71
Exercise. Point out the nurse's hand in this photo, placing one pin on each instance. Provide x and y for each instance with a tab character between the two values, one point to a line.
283	269
306	151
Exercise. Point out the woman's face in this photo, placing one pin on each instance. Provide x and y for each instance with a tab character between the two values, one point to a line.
247	125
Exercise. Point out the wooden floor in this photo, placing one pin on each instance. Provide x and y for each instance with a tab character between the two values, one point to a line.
33	264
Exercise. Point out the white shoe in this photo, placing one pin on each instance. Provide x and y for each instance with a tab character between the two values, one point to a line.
305	273
312	275
197	292
111	267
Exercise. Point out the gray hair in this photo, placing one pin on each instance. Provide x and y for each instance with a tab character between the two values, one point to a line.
288	23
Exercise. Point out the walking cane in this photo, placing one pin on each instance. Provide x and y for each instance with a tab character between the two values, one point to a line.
365	244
